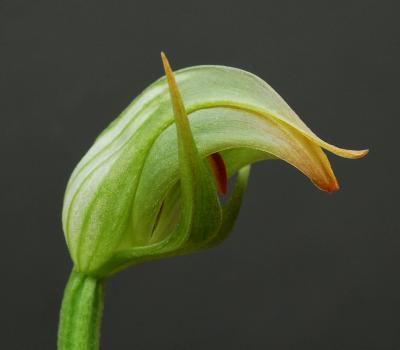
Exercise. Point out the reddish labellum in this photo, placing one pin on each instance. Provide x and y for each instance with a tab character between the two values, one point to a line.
219	171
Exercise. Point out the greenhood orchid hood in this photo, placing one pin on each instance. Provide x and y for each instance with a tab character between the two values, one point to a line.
148	187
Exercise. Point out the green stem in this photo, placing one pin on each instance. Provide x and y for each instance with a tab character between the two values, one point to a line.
81	312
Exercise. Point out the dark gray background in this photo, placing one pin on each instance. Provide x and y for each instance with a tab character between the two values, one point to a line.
302	269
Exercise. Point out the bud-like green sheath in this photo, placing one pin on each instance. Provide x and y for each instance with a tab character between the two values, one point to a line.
147	188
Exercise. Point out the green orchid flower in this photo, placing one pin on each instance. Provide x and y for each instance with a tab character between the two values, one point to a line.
148	187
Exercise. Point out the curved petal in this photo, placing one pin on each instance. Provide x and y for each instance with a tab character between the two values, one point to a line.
215	130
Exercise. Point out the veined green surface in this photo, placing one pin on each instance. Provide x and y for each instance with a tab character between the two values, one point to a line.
115	193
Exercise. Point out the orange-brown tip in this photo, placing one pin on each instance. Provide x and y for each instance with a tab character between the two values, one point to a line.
330	187
334	187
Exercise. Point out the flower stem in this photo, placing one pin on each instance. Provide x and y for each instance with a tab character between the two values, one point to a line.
81	313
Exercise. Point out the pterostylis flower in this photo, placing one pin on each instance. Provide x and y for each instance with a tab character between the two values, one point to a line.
148	187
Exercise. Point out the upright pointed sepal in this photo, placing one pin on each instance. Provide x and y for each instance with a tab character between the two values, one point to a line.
200	209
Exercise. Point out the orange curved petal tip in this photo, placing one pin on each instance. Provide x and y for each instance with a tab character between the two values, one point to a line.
330	187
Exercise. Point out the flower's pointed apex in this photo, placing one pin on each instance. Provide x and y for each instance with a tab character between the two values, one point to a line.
332	185
179	109
341	152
